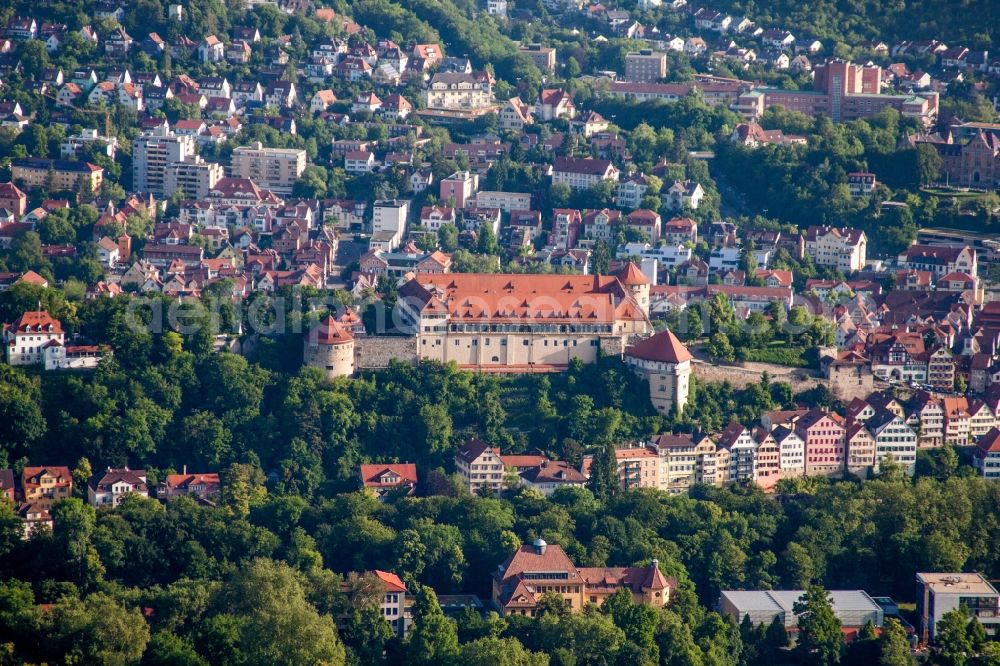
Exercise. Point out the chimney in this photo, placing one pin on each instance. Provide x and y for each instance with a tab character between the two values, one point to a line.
185	470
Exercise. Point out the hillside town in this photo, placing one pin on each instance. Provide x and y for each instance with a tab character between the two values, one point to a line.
562	267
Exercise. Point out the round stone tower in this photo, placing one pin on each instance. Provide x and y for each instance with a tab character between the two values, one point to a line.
329	347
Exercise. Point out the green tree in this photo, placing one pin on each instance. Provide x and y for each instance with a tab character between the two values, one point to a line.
952	637
820	640
99	630
492	651
433	638
603	481
277	624
894	647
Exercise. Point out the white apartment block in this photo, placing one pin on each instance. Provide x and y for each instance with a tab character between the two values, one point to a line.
193	176
389	217
27	338
152	151
505	201
274	169
70	147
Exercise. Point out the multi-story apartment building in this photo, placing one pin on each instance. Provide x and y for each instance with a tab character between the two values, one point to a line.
505	201
544	57
480	466
791	451
824	439
582	173
940	593
893	438
738	440
840	247
860	450
685	460
521	581
72	145
459	91
43	486
152	151
939	259
514	115
56	175
389	217
393	604
274	169
517	322
645	66
460	187
193	176
987	455
768	458
861	184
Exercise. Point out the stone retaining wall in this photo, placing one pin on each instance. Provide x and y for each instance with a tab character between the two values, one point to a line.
375	351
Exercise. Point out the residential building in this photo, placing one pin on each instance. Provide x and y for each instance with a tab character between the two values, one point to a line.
555	103
480	466
685	459
71	145
538	568
791	451
684	194
201	486
939	260
152	151
389	217
738	441
27	338
583	173
56	175
893	438
645	66
939	593
551	475
459	91
861	184
514	115
275	169
193	176
393	606
390	479
13	200
359	161
43	486
458	188
840	247
824	442
544	57
986	458
109	488
505	201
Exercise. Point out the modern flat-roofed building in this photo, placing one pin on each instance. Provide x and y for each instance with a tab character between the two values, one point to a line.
389	216
193	176
152	151
56	175
544	57
645	66
275	169
854	608
939	593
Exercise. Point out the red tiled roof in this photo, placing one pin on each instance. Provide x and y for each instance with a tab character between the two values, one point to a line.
663	347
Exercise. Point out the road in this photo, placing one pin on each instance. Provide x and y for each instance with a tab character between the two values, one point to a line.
732	204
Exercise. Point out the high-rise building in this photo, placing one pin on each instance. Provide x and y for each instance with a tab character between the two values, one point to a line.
275	169
193	176
645	66
152	151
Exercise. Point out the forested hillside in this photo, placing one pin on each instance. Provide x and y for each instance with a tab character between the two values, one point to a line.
975	23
